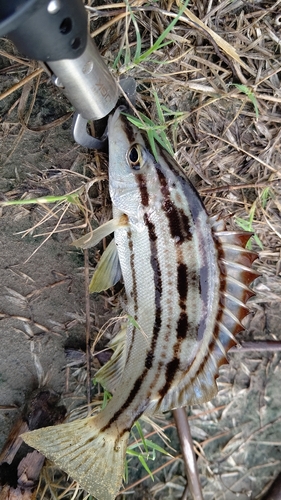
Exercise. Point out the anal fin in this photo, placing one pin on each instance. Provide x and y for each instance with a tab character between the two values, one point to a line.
110	374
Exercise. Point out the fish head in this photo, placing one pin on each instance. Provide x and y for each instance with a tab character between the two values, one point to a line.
131	165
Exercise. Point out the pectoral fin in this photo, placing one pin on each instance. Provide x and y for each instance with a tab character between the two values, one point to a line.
108	270
93	238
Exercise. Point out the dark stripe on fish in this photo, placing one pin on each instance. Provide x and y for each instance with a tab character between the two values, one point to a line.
149	359
158	289
143	189
129	400
158	313
179	222
182	326
171	370
182	283
134	291
135	417
128	129
194	202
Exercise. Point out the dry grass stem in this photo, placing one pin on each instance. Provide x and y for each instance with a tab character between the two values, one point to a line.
185	438
88	330
23	82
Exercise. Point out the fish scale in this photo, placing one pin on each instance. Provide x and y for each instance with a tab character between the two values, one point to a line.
186	281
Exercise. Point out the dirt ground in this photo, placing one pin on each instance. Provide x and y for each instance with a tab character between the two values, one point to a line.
42	298
40	293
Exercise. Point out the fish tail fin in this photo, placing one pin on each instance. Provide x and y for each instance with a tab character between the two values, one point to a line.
91	455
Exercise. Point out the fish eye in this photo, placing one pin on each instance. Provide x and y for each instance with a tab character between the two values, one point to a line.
134	157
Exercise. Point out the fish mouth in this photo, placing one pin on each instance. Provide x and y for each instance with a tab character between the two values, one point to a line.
115	116
121	131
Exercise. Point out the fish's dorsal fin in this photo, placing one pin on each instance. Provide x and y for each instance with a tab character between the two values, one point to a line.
236	274
93	238
235	263
108	270
110	374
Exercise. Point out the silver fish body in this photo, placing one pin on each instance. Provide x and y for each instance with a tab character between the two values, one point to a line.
169	263
186	282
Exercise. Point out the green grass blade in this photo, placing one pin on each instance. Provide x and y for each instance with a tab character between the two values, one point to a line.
250	94
247	225
106	397
141	459
265	196
126	472
138	35
244	224
154	133
158	42
159	109
145	466
134	322
143	440
252	213
151	137
156	447
258	241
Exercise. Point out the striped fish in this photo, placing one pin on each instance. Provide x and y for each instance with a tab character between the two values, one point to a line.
186	280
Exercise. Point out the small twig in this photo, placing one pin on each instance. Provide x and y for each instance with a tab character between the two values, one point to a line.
47	287
228	187
274	492
29	321
185	493
21	83
9	407
50	234
270	345
88	319
188	454
166	464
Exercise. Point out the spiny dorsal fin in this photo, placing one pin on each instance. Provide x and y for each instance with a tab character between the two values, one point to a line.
235	263
236	275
